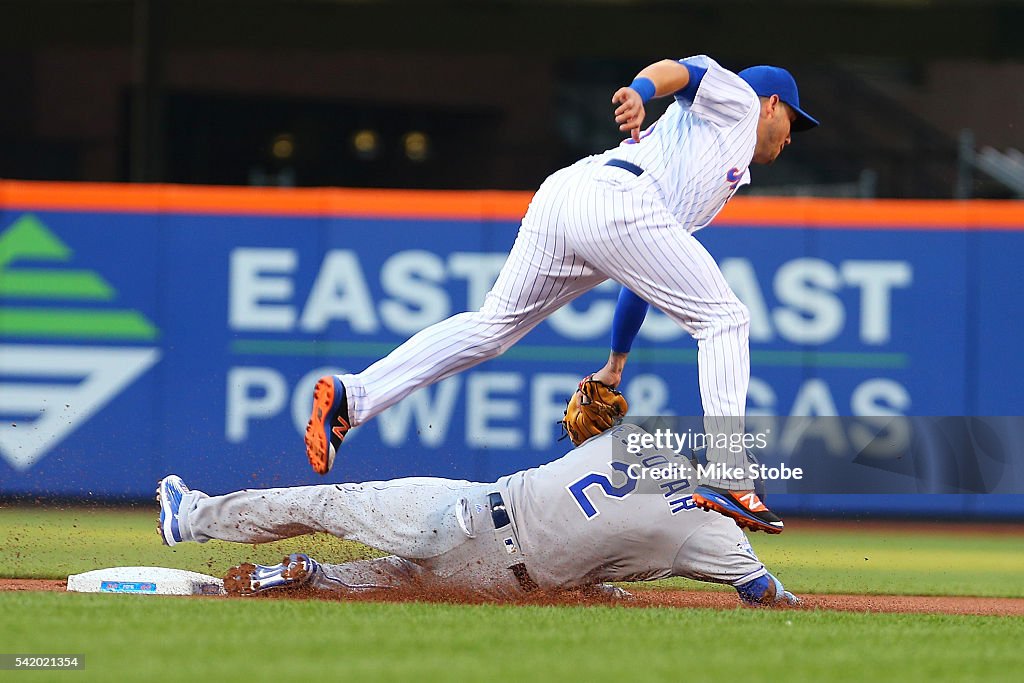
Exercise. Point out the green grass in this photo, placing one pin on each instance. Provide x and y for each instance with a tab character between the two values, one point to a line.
900	562
163	638
126	637
48	543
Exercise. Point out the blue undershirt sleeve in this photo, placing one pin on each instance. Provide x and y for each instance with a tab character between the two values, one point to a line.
630	311
690	91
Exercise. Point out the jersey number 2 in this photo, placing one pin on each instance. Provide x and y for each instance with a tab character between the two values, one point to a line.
578	489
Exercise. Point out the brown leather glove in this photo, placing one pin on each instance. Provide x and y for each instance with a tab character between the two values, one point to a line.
594	408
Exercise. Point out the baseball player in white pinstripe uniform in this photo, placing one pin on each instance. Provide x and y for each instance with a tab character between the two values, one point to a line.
606	511
628	214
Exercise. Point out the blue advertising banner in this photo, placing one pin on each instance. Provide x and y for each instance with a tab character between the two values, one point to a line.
135	344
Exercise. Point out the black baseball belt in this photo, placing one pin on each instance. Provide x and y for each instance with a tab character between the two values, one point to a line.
501	519
625	165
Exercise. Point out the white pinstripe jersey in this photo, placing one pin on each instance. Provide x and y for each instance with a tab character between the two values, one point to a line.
698	153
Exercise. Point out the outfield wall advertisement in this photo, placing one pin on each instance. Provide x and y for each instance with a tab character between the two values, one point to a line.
147	330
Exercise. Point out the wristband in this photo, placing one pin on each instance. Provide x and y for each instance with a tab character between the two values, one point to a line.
644	86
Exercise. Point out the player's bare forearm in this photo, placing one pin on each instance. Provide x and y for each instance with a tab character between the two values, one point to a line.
666	76
611	373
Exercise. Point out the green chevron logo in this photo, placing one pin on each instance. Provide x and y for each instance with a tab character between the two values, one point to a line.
29	240
49	389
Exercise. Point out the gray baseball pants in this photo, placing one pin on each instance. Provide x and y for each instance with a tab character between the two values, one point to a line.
439	532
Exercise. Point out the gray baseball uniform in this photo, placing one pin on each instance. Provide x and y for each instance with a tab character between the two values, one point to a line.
594	515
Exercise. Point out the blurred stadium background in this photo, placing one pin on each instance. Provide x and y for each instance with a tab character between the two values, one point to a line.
919	100
922	97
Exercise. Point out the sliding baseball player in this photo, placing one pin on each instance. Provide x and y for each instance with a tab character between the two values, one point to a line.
610	510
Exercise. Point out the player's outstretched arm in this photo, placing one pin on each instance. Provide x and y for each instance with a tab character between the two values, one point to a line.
657	80
630	311
596	406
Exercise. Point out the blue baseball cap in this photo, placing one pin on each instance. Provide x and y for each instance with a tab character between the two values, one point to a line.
774	80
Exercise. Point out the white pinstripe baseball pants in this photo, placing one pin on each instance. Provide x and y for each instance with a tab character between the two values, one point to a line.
587	223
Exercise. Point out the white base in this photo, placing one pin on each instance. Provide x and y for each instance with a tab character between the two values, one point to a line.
145	581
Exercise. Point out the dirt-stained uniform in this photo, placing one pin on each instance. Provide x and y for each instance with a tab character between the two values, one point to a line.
597	514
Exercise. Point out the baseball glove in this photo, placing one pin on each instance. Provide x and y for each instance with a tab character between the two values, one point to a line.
594	408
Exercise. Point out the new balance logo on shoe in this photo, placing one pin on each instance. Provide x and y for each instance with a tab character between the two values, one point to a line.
328	423
744	507
752	502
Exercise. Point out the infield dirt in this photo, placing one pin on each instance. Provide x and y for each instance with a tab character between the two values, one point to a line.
902	604
722	600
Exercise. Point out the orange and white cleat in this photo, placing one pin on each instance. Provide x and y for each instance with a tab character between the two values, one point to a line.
744	507
328	424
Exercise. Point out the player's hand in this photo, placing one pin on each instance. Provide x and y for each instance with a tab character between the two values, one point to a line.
609	376
630	111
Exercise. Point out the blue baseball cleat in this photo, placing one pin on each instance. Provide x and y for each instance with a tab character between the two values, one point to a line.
328	424
249	579
744	507
169	492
